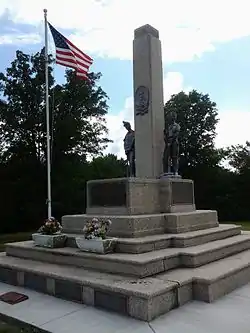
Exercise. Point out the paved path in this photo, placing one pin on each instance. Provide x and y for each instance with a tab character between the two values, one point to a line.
230	314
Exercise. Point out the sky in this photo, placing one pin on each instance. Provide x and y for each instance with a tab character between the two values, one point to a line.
205	46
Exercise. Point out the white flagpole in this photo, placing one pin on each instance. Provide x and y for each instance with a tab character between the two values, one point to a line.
47	113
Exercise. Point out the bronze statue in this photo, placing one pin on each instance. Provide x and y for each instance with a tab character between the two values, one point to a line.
129	147
171	151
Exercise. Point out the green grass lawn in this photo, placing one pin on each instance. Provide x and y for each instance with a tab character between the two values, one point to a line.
7	328
17	237
245	224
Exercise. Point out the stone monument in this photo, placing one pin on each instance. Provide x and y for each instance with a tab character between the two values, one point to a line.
167	252
148	102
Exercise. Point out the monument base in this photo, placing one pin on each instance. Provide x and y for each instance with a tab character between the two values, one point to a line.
170	175
133	226
135	196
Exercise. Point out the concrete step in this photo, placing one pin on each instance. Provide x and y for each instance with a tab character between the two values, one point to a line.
199	237
139	265
212	281
130	226
163	241
144	299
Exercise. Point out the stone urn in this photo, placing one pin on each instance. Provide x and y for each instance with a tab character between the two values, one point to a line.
50	241
96	245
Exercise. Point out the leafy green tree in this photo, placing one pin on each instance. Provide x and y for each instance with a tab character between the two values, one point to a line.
197	116
77	116
108	166
199	159
239	158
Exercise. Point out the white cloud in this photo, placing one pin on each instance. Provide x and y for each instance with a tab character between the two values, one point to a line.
233	128
20	39
105	27
173	83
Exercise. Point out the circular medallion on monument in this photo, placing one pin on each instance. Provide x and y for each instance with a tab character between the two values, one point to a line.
141	100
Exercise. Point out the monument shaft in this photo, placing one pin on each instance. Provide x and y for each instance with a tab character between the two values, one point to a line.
148	101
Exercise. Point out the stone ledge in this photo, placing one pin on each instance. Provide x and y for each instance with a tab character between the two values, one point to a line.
190	221
163	241
144	299
148	224
138	265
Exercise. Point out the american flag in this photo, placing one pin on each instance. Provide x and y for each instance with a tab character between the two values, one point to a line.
67	54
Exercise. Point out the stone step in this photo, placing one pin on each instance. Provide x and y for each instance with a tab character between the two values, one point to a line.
163	241
144	299
212	281
140	265
131	226
199	237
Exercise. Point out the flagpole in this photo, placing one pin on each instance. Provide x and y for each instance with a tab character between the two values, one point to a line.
47	113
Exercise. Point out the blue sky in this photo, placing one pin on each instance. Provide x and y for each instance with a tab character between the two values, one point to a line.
204	47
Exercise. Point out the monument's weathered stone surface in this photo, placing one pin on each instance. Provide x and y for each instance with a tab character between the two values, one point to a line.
123	196
148	101
176	195
132	196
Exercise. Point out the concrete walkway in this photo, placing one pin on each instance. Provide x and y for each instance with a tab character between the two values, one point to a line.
230	314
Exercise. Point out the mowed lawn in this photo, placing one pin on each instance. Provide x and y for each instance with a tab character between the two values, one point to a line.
9	238
6	328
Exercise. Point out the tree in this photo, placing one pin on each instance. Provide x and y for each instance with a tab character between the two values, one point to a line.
199	159
239	158
77	114
197	116
77	110
108	166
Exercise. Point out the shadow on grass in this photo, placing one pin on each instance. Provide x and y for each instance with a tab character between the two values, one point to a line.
10	238
245	224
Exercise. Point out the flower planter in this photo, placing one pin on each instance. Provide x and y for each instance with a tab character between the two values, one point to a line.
96	245
50	241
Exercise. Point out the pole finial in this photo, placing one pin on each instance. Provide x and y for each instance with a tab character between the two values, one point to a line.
45	11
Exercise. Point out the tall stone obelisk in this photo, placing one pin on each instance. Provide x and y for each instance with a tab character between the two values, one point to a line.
148	102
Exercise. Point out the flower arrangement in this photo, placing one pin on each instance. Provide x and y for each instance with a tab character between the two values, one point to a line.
96	229
50	227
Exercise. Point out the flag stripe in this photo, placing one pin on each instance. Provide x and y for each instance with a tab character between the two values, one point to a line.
66	64
67	54
71	62
80	53
63	52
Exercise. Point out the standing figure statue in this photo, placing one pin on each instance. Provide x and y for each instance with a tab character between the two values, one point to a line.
129	147
171	151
